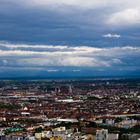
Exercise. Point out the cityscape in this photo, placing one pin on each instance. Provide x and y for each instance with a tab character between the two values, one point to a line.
69	70
94	109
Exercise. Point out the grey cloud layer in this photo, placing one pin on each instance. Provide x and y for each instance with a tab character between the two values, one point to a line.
112	13
70	22
25	55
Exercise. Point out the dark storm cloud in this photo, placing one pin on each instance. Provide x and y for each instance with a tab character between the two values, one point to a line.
98	35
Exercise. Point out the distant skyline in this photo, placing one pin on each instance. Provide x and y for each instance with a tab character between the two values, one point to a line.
69	38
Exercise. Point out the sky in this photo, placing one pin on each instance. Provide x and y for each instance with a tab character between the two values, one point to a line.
69	38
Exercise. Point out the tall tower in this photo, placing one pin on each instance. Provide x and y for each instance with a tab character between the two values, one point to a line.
70	89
